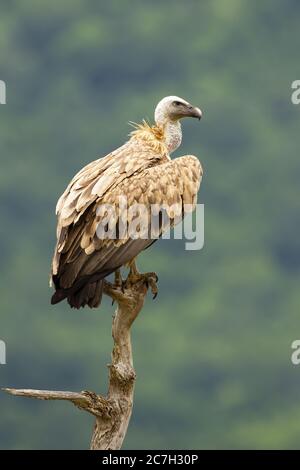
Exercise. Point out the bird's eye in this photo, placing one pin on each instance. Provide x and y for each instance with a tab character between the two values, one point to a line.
177	103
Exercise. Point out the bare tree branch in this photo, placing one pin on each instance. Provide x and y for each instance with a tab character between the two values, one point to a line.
114	411
87	401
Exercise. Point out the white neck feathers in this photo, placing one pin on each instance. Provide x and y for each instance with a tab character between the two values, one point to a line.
172	135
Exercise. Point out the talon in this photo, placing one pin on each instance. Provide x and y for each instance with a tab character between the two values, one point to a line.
153	286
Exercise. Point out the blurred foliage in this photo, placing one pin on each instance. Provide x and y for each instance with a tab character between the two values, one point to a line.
212	353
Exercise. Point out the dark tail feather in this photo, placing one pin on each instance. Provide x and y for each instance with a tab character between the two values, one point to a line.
96	300
90	294
58	296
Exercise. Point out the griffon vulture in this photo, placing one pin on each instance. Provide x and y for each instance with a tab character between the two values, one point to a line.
143	172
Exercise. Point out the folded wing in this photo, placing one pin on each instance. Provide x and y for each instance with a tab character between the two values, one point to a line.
81	258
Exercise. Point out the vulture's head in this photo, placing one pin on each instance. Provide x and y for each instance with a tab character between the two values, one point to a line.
173	108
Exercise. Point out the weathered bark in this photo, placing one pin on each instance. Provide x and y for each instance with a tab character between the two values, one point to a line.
114	411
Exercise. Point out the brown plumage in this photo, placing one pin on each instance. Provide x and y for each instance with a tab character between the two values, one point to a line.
142	171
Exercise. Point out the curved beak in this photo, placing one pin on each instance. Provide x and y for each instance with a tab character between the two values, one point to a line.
195	112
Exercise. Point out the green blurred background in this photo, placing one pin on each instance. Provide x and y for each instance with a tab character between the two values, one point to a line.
212	353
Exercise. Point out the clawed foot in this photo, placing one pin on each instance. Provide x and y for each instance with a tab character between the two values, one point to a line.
135	277
149	279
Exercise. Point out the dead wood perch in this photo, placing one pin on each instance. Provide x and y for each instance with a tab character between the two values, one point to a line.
112	412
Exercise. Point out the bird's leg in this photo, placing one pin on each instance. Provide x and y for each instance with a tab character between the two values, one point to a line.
119	283
134	276
133	271
118	278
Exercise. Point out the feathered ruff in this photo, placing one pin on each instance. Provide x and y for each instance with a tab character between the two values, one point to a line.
151	135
